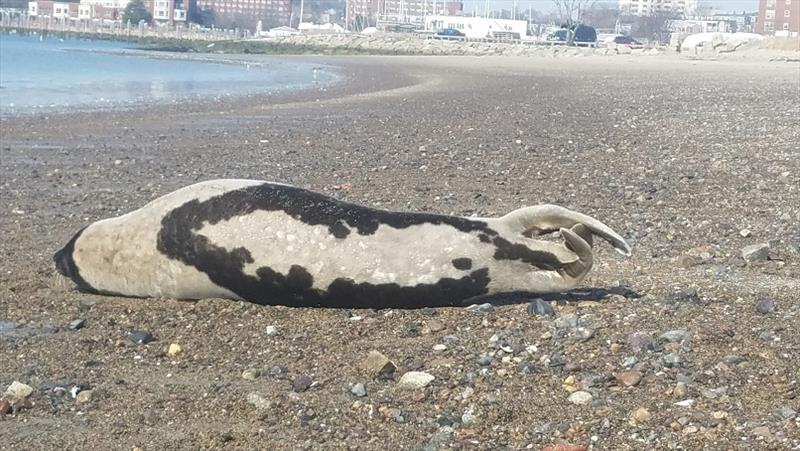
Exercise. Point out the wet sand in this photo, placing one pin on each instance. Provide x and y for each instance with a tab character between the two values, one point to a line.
678	156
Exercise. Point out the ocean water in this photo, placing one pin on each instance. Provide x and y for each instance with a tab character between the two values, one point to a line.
53	74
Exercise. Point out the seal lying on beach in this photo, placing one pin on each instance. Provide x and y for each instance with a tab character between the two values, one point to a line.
270	243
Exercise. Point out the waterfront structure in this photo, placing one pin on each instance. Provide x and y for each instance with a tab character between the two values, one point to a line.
778	17
162	10
685	8
479	27
270	11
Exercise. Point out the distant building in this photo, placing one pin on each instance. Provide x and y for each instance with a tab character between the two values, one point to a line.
778	17
271	11
741	22
685	8
421	8
169	11
479	27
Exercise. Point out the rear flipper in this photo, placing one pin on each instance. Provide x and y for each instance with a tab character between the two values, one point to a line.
540	219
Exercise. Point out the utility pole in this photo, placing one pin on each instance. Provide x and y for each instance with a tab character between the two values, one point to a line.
346	15
301	15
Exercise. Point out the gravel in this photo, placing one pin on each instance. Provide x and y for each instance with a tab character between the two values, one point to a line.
702	149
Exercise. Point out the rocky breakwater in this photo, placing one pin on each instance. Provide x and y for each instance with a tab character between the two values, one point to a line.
415	45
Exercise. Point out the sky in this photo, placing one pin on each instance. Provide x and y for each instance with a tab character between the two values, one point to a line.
547	5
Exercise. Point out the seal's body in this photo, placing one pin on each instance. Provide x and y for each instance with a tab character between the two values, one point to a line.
276	244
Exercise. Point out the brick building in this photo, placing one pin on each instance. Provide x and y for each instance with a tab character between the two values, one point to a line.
778	17
271	11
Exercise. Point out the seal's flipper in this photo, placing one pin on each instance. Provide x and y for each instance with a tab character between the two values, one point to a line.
573	239
549	218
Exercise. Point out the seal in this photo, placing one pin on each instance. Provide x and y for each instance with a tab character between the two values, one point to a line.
275	244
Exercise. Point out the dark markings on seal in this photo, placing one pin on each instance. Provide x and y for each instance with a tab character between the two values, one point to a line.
462	263
510	251
65	264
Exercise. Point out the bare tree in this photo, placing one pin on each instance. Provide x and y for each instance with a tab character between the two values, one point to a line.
655	27
571	11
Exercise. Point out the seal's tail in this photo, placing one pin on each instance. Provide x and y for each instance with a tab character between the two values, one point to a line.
541	219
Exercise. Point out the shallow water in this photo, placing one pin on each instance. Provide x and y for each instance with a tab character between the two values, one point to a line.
46	74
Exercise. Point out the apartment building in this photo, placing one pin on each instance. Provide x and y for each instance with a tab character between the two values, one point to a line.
277	11
778	17
420	8
685	8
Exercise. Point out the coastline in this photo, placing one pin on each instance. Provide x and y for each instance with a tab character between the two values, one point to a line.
679	156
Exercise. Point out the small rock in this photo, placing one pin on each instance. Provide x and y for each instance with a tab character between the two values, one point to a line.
480	308
174	349
762	431
359	390
272	330
567	322
564	447
690	430
680	390
745	233
140	336
5	406
755	252
469	417
439	348
629	378
301	383
630	362
641	341
251	374
675	336
686	261
540	307
415	380
258	401
733	359
671	360
84	305
278	371
765	306
378	364
429	311
641	415
77	324
485	360
580	398
18	391
685	403
84	396
785	413
435	325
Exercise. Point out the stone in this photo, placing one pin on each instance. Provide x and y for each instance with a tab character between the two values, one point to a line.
733	359
271	330
469	417
84	305
580	398
755	252
671	360
485	360
686	261
84	396
675	336
480	308
785	413
567	322
685	403
5	406
434	326
259	402
765	306
641	415
630	362
641	341
18	391
745	233
77	324
762	431
174	349
540	307
629	378
680	390
140	336
359	390
251	374
377	364
301	383
439	348
564	447
413	380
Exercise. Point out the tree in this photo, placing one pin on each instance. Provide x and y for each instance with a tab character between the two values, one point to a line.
135	12
570	12
655	27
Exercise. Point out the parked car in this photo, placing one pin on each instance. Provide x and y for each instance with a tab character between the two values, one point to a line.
584	36
449	32
626	40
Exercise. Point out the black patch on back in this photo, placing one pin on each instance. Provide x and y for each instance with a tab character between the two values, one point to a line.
65	264
462	263
511	251
484	238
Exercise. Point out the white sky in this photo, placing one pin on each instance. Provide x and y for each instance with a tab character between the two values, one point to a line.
547	5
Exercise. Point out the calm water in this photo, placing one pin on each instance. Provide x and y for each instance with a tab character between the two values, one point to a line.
55	74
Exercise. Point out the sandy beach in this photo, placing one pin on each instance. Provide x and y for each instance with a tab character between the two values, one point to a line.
684	345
